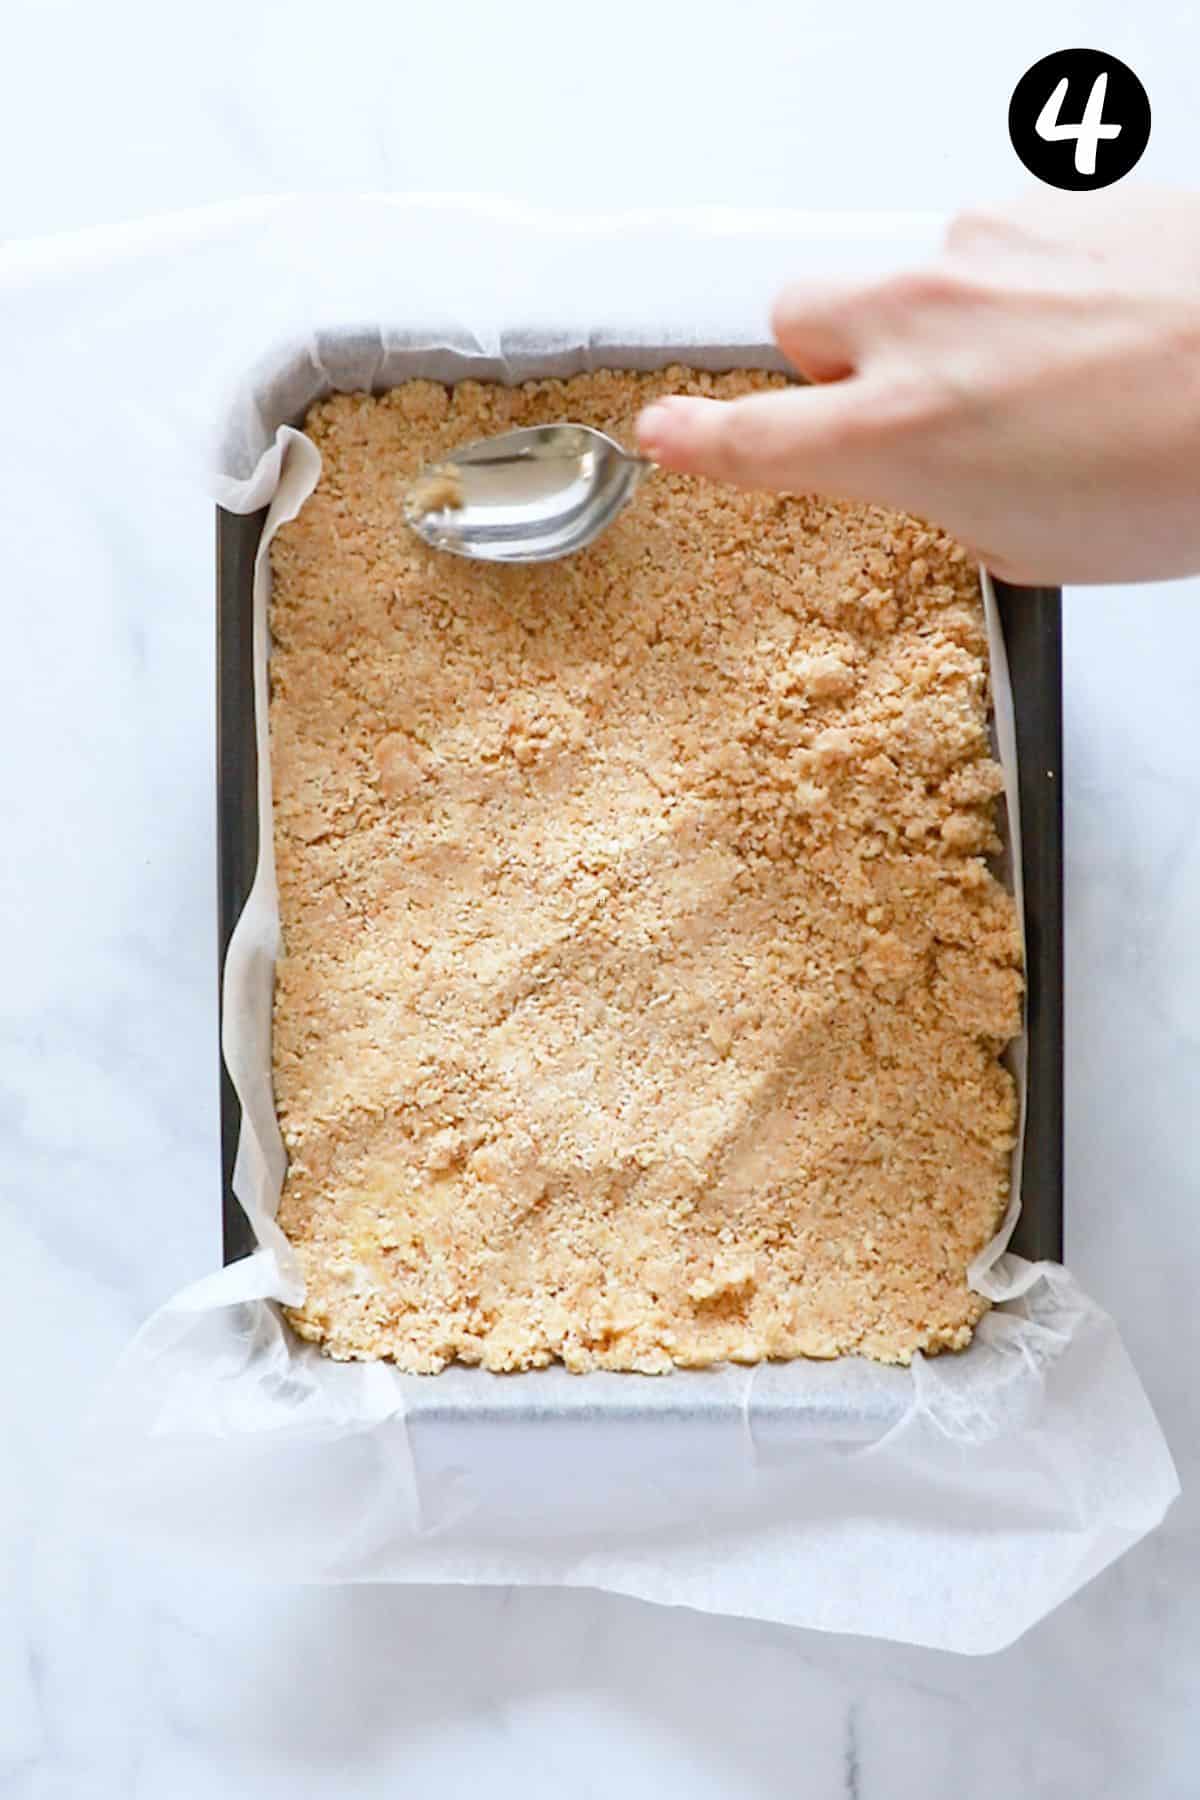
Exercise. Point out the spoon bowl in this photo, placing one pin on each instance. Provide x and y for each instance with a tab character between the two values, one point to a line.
526	496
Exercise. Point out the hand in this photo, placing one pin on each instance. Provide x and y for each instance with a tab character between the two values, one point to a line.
1035	391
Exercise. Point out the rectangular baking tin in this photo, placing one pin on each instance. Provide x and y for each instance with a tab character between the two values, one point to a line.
1032	624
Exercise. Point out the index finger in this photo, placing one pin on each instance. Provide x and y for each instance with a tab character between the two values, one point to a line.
798	440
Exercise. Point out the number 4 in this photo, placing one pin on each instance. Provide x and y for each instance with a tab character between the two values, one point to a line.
1090	129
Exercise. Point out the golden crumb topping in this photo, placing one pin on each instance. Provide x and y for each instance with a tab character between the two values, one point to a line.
644	979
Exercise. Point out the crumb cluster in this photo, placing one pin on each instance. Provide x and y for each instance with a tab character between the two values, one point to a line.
644	978
439	489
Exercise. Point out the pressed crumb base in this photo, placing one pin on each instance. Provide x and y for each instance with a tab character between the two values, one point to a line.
644	980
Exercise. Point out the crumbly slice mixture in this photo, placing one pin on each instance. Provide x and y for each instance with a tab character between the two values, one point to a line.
644	979
437	490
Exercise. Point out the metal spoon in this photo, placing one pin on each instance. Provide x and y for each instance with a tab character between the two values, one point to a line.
526	496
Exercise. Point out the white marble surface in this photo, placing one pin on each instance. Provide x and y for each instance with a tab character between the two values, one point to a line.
120	1682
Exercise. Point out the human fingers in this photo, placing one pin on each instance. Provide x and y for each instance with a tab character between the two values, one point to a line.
798	439
1102	226
814	324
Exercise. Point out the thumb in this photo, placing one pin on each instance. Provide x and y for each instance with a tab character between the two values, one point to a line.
797	439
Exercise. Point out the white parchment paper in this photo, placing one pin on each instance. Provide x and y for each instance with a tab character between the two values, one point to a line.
951	1504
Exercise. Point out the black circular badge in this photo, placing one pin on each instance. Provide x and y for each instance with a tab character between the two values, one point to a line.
1079	119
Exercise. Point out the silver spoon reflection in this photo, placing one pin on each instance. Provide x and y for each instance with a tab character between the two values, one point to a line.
526	496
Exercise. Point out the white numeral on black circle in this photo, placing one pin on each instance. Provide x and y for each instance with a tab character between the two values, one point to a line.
1090	129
